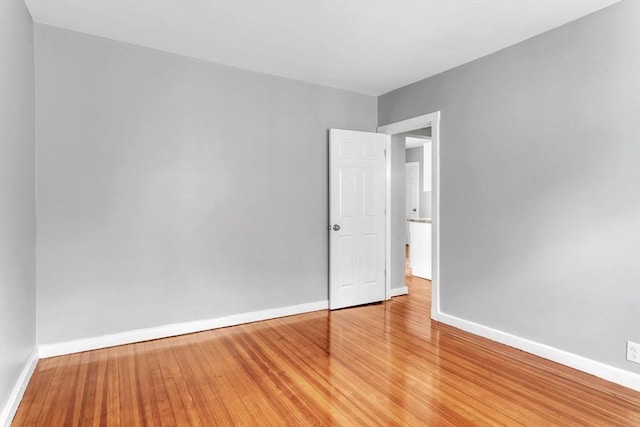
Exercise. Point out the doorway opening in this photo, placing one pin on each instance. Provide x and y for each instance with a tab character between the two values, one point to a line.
425	242
417	202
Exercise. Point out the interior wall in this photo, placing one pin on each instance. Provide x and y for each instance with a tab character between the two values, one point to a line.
17	195
540	194
417	155
172	189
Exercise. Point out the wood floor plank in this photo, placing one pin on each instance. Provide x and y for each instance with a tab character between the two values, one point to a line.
381	364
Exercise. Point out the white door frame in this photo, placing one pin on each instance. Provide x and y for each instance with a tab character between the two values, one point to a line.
427	120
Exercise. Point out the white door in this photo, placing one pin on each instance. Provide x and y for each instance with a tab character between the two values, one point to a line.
412	193
357	218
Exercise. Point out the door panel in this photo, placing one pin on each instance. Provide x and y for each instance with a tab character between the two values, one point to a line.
369	192
356	206
347	190
347	264
370	258
412	193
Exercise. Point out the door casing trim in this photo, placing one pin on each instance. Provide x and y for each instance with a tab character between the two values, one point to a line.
426	120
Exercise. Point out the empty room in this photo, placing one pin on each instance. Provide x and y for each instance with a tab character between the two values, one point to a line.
354	213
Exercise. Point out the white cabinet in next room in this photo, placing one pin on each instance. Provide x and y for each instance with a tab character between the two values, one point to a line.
420	247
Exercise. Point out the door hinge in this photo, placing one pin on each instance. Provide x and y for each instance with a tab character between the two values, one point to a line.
385	152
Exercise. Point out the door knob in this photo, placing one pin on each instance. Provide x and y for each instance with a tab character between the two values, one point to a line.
336	227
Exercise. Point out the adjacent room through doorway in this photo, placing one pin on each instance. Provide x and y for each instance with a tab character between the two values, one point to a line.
417	201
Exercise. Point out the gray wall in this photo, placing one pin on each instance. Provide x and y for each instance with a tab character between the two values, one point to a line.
171	189
416	155
398	217
17	194
540	184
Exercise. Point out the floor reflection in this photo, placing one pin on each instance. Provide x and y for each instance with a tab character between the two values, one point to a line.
379	364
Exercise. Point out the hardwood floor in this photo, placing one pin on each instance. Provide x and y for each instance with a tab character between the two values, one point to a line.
382	364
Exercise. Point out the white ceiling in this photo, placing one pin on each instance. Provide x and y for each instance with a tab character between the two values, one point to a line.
370	47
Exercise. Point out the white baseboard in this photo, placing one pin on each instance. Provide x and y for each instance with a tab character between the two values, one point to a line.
396	292
138	335
599	369
11	406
